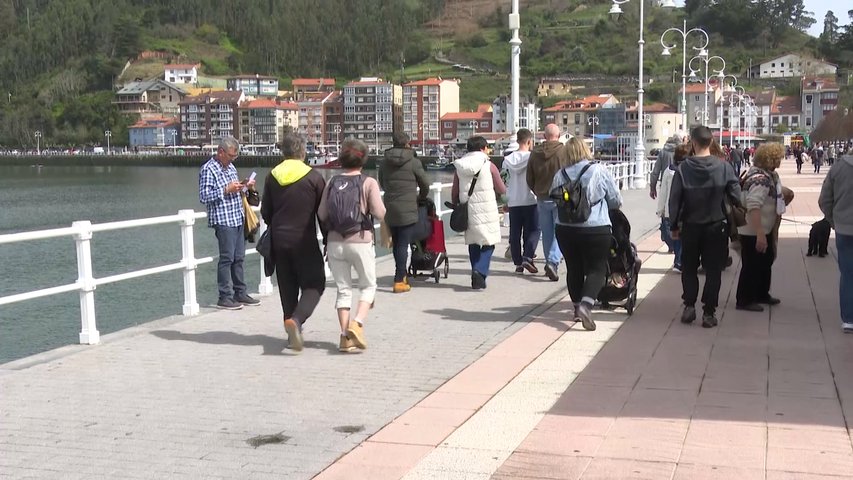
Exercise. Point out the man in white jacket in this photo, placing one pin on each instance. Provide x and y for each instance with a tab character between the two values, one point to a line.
524	230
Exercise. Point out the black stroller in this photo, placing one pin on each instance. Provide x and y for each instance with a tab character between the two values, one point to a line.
623	266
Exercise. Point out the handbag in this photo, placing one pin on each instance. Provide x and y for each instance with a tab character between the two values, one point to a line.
459	216
264	249
250	222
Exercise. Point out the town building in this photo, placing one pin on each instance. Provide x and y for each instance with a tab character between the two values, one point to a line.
372	110
262	121
792	65
787	112
457	127
572	116
696	104
254	85
333	122
301	86
502	121
554	87
183	73
209	117
155	132
662	121
149	97
819	98
424	103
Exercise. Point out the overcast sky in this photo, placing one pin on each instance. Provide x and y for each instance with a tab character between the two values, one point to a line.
819	8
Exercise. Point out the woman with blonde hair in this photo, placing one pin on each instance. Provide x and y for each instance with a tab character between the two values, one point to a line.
764	202
586	242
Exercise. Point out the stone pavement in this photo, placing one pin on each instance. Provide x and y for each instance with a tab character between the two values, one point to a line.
764	396
218	396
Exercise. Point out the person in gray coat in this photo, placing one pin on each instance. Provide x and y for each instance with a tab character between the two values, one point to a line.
836	203
665	159
402	177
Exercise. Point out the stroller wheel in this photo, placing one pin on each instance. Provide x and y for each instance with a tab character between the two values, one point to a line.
632	302
446	268
436	274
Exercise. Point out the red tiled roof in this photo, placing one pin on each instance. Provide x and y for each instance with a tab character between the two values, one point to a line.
786	105
659	108
484	108
156	122
699	87
826	83
222	96
180	66
450	116
312	82
261	103
425	82
289	106
367	83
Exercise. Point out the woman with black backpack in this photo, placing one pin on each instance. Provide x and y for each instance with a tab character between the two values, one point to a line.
584	192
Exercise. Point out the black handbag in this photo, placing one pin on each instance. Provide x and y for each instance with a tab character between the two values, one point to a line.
459	216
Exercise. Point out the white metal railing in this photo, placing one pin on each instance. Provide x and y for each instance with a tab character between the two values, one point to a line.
86	284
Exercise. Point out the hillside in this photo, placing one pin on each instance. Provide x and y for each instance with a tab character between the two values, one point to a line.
62	58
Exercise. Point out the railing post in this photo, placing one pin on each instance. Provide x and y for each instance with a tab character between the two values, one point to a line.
89	334
265	285
436	198
188	258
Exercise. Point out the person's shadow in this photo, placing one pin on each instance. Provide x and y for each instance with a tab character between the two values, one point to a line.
271	345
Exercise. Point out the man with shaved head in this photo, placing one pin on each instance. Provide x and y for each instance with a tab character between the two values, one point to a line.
547	159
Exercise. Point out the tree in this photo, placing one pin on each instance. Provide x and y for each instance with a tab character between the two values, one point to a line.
778	15
830	27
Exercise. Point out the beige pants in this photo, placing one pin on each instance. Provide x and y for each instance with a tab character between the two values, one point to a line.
343	258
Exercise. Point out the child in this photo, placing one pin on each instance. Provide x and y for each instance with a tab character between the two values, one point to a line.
681	152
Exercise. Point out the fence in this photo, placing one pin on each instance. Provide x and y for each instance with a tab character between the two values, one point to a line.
86	284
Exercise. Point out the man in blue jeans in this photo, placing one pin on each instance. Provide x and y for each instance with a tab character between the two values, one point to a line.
220	189
836	203
546	159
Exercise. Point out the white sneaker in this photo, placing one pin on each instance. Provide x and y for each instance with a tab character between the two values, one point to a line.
847	327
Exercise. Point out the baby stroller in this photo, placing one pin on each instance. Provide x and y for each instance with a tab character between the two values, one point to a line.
623	266
429	253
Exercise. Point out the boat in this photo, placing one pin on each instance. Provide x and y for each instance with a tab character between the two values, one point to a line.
323	161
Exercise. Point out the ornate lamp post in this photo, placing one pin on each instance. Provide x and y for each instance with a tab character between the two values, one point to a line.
38	142
667	48
338	137
593	121
108	134
640	150
720	73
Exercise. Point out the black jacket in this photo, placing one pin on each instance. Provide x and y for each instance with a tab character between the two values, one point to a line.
291	198
699	188
404	181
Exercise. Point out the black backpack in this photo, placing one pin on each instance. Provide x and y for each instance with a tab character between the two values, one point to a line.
344	205
571	199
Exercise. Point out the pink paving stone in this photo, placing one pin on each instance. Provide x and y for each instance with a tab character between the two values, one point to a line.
740	456
612	468
464	401
657	403
837	440
452	417
714	472
776	475
346	471
809	461
591	400
486	376
527	343
643	439
418	434
385	455
542	466
575	424
793	412
560	443
704	433
607	378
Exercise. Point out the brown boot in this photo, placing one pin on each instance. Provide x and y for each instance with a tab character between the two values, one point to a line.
355	332
402	287
346	345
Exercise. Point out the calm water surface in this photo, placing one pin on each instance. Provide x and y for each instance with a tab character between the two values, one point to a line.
51	197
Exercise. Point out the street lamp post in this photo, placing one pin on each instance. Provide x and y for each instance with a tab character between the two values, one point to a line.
338	137
720	73
174	134
38	142
732	86
593	121
252	135
515	49
108	134
685	33
640	150
421	136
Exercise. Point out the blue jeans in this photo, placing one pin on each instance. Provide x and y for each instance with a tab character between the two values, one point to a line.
401	237
666	237
523	232
229	272
844	244
548	224
481	258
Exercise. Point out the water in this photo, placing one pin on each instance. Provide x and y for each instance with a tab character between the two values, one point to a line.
52	197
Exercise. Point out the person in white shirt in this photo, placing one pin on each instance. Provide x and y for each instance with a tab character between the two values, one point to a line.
681	152
524	232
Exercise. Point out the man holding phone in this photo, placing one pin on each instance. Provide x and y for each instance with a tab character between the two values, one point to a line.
220	189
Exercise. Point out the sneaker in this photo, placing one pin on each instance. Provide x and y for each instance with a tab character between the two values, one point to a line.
583	312
575	317
346	345
750	307
478	281
529	266
355	332
676	268
228	304
519	269
551	272
294	334
709	320
847	327
247	300
508	253
402	287
771	301
688	315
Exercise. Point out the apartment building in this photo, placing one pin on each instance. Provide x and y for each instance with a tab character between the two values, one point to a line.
786	111
792	65
819	98
502	121
185	73
209	117
254	85
696	104
424	103
156	97
262	121
155	132
573	116
302	86
372	110
457	127
333	120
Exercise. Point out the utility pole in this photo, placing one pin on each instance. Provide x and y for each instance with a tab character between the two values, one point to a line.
515	43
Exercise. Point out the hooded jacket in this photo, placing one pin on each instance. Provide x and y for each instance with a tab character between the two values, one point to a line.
404	181
836	195
665	158
517	192
546	159
484	223
699	188
291	198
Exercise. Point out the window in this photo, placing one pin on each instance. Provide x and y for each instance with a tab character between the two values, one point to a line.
808	99
448	124
484	124
577	118
773	65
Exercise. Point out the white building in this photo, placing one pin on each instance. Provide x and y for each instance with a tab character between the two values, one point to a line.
791	65
502	120
181	73
663	121
424	103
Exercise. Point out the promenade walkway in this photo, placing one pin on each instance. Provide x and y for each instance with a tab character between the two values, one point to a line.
458	384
